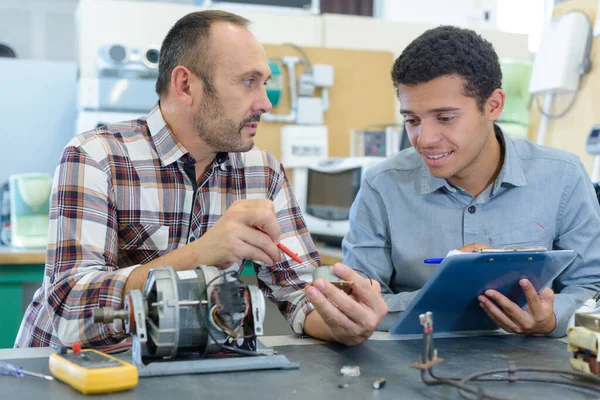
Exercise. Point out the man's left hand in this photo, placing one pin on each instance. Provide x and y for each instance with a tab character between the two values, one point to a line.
348	319
538	319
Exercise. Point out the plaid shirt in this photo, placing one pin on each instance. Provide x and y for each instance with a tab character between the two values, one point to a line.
121	198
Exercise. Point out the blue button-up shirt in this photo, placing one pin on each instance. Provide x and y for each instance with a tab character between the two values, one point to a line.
542	196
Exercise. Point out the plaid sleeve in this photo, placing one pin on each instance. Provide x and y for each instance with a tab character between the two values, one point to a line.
284	282
81	270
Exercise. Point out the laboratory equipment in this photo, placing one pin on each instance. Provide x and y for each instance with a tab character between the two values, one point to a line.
181	317
382	141
29	209
325	192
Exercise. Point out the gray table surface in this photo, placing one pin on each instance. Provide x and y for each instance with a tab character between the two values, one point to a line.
319	374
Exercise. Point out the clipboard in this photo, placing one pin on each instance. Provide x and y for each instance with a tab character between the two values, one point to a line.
451	292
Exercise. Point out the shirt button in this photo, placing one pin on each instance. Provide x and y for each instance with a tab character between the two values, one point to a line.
192	238
472	209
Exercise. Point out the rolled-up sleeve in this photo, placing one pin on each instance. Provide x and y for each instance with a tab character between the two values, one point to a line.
284	282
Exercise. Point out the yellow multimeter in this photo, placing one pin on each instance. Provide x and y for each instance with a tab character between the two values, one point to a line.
91	371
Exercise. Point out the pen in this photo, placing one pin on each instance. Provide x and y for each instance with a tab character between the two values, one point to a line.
282	247
433	260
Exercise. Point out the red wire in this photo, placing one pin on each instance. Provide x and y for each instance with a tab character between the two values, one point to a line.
118	347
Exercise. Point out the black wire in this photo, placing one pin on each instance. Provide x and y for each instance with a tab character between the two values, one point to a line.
463	387
207	322
462	383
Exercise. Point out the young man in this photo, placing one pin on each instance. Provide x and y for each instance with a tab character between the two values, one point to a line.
465	183
182	187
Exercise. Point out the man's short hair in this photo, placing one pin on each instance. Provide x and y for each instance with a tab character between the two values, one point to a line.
186	44
449	50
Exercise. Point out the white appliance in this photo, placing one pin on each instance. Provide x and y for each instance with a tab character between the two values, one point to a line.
303	145
125	80
325	192
560	63
384	141
29	208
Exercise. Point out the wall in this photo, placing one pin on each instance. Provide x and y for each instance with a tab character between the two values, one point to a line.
361	96
350	32
140	24
570	132
469	13
39	29
355	100
37	114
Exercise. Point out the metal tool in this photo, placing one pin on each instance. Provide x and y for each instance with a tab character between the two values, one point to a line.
15	370
429	358
91	371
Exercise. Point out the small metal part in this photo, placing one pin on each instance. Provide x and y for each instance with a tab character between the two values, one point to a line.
350	370
326	272
512	370
590	320
108	315
346	286
378	383
182	303
491	260
60	349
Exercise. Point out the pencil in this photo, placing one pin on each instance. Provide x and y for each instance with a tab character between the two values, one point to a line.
282	247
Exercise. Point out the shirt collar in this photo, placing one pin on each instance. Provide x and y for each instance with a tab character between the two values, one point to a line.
511	172
168	148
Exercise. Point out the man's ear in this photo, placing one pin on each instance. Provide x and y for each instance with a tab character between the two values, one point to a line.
495	104
183	82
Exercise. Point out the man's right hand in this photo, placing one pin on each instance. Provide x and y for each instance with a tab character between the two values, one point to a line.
234	236
231	239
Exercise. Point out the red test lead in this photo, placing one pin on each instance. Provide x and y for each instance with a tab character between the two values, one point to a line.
291	254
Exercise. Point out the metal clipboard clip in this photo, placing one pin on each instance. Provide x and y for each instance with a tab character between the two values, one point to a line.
514	248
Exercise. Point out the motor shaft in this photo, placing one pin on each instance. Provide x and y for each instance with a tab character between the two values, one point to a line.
108	314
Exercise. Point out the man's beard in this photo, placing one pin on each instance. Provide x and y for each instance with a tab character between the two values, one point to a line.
219	131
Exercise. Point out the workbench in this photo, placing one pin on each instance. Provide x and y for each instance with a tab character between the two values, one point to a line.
17	268
319	374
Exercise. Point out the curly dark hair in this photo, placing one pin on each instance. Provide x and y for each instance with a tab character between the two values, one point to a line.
449	50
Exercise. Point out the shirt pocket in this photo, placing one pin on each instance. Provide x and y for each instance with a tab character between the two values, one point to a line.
143	237
533	235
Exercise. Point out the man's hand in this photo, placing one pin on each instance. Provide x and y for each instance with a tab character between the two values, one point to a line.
538	319
233	237
471	247
348	319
